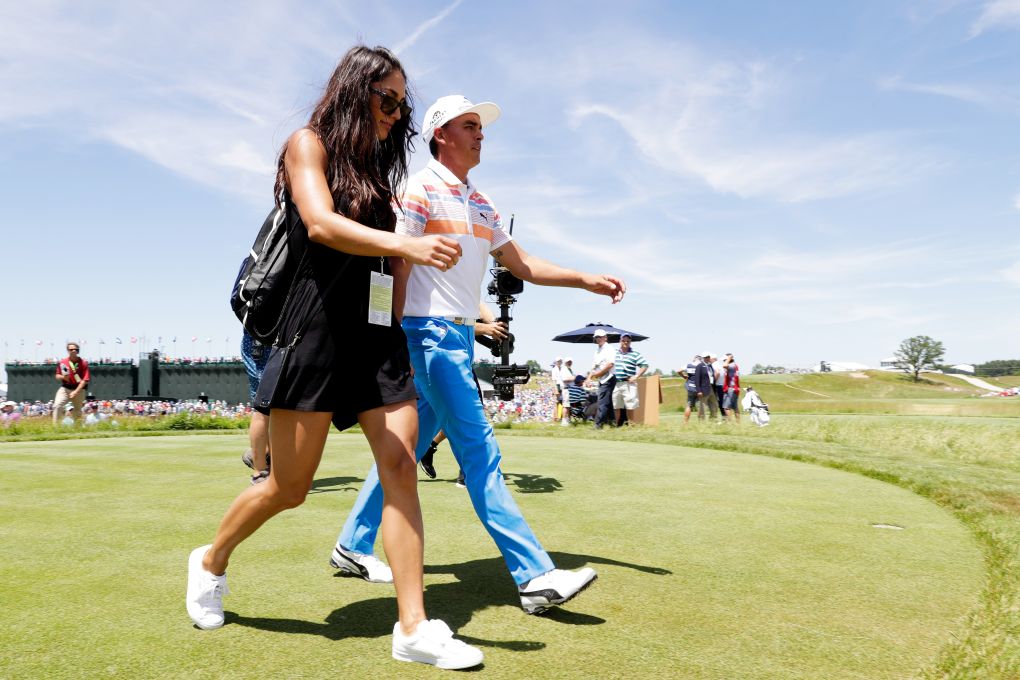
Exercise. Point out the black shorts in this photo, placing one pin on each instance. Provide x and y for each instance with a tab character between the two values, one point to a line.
692	399
342	364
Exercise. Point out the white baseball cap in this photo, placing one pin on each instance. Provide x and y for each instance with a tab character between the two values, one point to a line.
447	108
599	333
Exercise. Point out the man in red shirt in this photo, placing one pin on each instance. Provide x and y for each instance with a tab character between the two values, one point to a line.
731	388
73	376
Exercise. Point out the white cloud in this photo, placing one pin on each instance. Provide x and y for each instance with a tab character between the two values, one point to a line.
1016	201
1012	274
998	14
712	121
409	42
992	97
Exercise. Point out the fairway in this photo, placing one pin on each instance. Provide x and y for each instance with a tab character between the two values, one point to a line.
711	565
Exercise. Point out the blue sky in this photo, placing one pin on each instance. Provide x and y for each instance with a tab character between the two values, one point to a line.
788	181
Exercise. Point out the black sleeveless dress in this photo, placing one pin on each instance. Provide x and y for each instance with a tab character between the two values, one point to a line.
342	363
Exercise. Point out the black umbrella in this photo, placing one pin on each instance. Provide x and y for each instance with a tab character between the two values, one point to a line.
587	334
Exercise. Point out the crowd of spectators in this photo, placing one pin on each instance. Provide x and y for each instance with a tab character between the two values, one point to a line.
96	411
107	361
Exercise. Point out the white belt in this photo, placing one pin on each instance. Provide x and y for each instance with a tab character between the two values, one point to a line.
459	320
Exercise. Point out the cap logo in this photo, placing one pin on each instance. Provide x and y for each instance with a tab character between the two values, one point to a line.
436	116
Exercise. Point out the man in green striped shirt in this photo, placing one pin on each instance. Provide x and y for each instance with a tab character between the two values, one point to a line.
628	366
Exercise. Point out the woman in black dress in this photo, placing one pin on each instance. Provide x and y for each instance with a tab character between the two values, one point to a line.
338	175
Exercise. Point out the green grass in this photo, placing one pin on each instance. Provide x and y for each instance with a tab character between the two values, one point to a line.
42	428
712	564
970	466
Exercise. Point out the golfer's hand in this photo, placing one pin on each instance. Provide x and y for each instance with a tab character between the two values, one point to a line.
432	251
604	284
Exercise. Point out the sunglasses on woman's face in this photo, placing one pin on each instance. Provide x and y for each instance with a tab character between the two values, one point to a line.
389	103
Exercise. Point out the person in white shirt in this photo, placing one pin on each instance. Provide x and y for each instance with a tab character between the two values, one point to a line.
438	310
566	379
602	372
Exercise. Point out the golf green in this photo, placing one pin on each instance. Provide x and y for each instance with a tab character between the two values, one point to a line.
711	565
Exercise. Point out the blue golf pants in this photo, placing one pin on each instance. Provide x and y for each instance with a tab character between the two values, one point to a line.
441	353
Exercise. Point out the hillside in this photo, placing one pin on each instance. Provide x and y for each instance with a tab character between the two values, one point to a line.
876	392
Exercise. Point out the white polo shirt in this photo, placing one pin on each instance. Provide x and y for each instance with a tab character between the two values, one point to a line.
437	202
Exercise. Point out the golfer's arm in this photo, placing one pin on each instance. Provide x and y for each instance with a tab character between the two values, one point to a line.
536	270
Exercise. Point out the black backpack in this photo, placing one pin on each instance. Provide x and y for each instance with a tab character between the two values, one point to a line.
263	285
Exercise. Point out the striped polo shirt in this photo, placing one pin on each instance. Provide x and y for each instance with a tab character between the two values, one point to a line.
626	364
437	202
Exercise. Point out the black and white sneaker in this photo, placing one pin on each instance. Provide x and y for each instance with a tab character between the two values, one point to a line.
553	588
367	567
426	462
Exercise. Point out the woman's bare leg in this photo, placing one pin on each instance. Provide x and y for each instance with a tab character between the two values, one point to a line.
392	431
297	441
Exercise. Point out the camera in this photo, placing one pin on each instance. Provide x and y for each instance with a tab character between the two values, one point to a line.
504	286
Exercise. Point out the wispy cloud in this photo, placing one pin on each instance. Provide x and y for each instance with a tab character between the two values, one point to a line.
990	97
998	14
715	121
409	42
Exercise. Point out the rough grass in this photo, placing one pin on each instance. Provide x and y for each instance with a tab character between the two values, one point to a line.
712	564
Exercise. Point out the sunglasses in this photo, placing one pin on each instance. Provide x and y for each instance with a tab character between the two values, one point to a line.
389	103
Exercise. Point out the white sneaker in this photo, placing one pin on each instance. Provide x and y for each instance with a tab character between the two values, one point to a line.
432	642
554	587
205	592
565	423
368	567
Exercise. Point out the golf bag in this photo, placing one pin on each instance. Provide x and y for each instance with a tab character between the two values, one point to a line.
759	409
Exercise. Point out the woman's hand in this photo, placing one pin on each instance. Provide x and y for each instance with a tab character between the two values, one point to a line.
436	251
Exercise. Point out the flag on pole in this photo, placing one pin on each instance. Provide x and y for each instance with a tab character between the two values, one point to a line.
39	343
194	338
118	341
133	339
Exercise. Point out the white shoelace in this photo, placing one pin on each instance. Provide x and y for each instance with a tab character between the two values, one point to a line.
437	631
213	591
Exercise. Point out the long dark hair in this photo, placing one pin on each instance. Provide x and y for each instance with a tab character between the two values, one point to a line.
362	172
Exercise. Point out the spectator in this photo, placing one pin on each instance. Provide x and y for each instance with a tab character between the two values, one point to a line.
567	376
731	388
73	375
694	395
628	366
706	386
602	373
557	377
8	414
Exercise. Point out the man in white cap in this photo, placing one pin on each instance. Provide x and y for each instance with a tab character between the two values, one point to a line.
556	373
438	312
602	373
567	378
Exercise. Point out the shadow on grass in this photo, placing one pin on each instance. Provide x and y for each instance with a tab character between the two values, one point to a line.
523	483
327	484
480	584
532	483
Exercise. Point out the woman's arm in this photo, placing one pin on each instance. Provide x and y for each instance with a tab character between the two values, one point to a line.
305	163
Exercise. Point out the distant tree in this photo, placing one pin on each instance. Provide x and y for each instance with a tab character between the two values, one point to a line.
657	371
919	353
998	367
534	367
